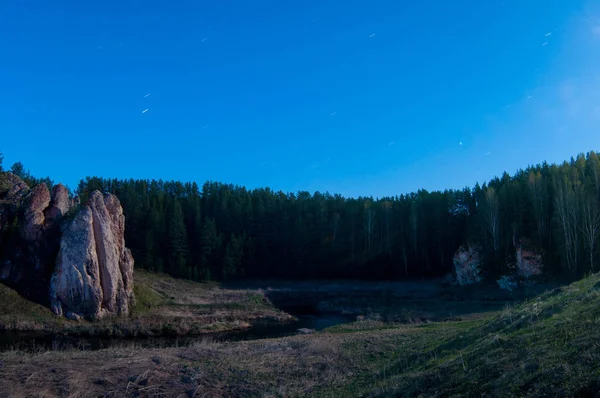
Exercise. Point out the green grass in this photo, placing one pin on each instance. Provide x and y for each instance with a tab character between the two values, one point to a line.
547	346
147	298
12	303
18	313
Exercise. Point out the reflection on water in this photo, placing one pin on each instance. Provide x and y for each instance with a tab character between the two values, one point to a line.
261	330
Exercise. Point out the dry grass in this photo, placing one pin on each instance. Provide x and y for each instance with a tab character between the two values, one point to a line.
164	306
294	366
547	346
17	313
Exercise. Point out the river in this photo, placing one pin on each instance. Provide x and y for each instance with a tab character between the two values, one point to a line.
262	330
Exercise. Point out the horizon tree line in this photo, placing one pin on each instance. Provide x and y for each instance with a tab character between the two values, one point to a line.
222	231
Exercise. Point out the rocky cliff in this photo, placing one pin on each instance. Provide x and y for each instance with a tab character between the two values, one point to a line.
467	265
93	276
70	257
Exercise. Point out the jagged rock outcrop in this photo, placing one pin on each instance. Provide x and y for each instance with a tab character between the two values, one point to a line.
529	261
59	205
79	266
11	199
467	265
17	188
93	276
28	262
36	202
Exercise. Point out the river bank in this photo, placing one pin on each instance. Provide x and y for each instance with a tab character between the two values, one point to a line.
169	307
164	307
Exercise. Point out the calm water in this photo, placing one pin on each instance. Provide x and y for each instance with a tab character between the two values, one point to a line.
33	342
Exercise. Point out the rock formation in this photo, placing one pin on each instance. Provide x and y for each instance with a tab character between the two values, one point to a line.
93	276
59	206
78	265
529	262
11	199
26	263
467	265
508	282
18	188
33	222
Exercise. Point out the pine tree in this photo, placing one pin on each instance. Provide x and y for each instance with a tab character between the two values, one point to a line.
178	242
232	261
209	245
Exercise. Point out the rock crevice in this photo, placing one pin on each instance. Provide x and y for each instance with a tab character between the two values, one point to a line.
94	271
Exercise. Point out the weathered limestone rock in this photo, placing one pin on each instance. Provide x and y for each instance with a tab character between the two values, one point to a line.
74	317
94	270
467	265
33	222
11	199
529	261
507	282
18	188
75	284
59	205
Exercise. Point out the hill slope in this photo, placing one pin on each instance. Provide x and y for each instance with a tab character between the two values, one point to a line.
547	346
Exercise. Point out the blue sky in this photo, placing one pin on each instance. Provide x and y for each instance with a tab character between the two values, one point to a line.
352	97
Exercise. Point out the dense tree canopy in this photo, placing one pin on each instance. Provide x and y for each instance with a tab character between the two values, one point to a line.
221	231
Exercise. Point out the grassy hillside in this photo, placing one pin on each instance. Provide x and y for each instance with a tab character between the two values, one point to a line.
17	313
547	346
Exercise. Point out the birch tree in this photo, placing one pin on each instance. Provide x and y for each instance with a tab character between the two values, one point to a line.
537	192
566	214
492	217
590	225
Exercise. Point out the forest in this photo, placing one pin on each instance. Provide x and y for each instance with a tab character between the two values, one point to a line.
219	231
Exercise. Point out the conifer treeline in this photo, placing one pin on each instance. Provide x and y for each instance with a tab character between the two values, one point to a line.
221	231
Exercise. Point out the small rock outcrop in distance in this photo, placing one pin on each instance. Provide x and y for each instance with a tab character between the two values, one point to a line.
93	276
467	264
529	261
36	202
508	282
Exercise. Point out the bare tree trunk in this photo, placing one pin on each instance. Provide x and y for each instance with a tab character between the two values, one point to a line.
566	213
590	226
537	195
492	214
